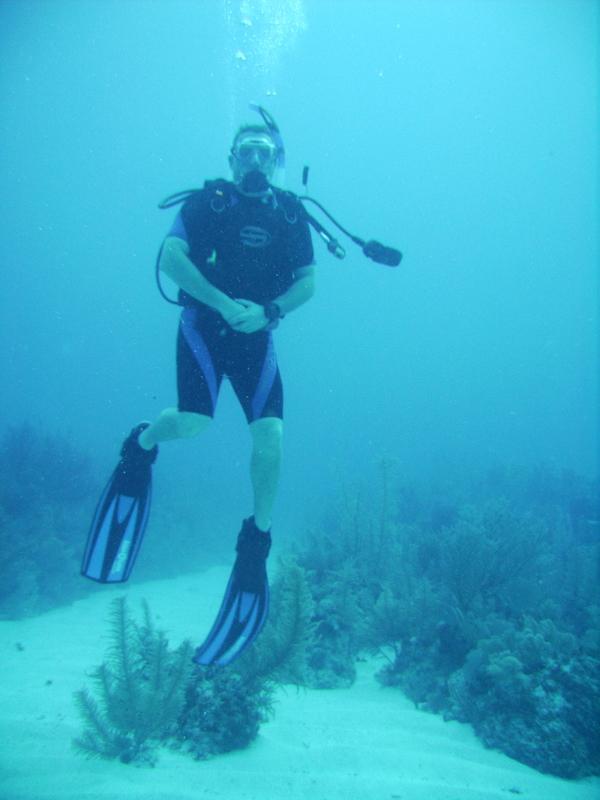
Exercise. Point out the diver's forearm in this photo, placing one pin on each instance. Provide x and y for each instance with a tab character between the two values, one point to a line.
177	266
299	293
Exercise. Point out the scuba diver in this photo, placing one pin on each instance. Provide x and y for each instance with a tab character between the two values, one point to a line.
241	255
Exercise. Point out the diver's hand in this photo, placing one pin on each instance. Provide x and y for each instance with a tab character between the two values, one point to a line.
230	309
249	319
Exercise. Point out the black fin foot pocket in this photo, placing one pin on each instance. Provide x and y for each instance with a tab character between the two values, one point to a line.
245	606
134	467
253	546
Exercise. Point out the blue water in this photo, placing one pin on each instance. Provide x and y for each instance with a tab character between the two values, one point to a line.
464	133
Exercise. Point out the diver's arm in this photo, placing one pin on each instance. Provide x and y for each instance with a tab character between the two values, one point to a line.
175	263
299	292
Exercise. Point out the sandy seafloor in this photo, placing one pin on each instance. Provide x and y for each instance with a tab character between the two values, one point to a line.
367	742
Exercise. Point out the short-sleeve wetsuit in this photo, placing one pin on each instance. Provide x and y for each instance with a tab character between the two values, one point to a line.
249	248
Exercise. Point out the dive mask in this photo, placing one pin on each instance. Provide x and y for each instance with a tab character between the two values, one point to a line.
256	152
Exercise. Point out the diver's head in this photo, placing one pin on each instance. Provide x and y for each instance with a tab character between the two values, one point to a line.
253	158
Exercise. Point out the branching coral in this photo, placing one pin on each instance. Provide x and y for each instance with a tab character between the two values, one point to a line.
140	690
486	551
280	653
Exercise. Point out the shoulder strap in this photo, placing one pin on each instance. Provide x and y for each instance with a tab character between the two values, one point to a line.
290	204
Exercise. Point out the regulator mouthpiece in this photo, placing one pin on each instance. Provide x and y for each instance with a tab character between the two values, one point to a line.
254	182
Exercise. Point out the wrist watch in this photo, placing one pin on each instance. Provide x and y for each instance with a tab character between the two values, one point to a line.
272	312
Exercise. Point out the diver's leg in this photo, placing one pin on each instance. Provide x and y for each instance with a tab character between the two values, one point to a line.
256	380
198	381
173	424
265	467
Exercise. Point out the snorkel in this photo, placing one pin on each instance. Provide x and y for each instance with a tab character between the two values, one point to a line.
273	129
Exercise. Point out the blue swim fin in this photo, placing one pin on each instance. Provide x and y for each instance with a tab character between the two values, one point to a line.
121	516
245	606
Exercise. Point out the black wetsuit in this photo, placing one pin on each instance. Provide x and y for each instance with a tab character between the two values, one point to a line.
249	248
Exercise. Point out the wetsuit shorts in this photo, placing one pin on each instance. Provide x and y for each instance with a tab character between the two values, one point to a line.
209	350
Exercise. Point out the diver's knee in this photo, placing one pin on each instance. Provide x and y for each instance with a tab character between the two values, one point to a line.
185	424
191	424
267	436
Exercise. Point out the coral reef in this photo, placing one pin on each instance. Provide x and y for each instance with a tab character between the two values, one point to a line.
223	711
531	692
483	597
348	564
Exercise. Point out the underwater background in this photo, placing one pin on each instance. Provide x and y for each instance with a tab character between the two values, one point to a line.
455	396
